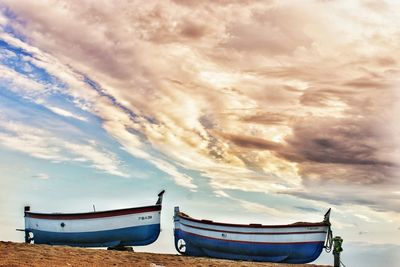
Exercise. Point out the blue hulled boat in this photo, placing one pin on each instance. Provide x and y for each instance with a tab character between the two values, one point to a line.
300	242
113	228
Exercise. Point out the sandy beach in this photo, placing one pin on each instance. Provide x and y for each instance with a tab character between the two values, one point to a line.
20	254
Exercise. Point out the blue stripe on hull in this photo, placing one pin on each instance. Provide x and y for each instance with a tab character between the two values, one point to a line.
285	253
130	236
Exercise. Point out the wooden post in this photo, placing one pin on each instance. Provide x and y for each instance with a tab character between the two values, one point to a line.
337	248
27	237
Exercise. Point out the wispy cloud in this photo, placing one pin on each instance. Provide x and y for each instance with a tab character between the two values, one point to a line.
20	83
41	176
42	144
66	113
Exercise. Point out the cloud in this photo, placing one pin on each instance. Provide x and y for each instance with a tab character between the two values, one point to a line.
277	22
41	176
20	83
40	143
220	193
365	218
251	95
349	143
378	198
66	113
180	178
307	209
252	142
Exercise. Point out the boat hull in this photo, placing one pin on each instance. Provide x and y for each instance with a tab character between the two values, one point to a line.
202	246
129	236
286	244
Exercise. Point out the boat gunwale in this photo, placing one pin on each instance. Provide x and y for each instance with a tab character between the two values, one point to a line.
93	214
251	225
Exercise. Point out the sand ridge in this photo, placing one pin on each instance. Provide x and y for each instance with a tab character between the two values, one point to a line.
21	254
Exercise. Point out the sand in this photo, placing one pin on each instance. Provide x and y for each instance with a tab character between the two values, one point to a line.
20	254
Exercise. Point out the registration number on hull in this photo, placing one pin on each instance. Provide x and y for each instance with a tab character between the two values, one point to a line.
142	218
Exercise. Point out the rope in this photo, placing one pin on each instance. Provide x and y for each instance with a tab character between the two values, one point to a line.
329	240
342	263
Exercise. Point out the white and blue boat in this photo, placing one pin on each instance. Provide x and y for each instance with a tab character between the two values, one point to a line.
137	226
300	242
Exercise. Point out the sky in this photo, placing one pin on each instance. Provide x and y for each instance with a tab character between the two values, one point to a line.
243	111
